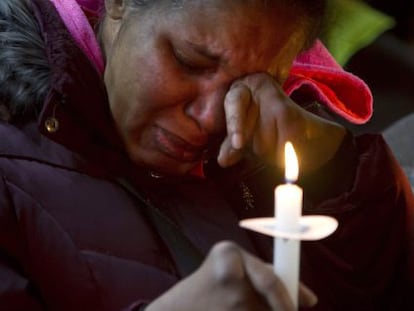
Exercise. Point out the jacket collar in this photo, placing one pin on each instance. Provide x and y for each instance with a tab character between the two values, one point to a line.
76	112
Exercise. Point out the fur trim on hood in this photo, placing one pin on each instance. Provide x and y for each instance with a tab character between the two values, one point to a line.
24	69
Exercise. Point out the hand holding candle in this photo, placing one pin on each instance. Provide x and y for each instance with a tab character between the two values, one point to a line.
289	226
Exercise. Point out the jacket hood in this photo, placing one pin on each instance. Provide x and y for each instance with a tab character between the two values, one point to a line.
24	68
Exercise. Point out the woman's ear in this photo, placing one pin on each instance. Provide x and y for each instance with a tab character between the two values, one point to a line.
115	8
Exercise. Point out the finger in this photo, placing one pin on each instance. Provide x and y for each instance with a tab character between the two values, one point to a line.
228	155
241	115
237	105
267	284
264	141
307	298
230	278
274	104
227	262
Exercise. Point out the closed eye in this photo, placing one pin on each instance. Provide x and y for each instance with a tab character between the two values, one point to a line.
194	64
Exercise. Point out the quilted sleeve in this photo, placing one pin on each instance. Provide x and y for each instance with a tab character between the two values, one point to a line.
16	292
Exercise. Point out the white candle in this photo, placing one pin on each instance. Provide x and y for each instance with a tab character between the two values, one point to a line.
288	210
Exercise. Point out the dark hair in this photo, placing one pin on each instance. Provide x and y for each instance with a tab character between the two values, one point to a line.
24	71
316	11
311	16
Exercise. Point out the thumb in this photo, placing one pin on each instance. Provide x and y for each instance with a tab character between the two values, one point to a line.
307	298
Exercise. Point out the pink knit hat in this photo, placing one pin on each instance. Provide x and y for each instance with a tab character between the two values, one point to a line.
314	72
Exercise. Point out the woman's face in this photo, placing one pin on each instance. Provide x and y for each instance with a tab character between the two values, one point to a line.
168	70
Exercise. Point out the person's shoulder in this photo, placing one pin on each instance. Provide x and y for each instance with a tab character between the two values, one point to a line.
17	141
25	151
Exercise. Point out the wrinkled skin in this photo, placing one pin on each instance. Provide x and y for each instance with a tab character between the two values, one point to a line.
202	79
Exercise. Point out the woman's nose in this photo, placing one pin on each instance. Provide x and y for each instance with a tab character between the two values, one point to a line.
208	111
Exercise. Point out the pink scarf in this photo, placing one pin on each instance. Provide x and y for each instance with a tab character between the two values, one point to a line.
72	14
314	72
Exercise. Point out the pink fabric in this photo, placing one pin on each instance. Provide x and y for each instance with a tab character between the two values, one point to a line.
78	25
91	5
317	73
314	72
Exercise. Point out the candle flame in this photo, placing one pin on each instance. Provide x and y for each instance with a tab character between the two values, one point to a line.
291	163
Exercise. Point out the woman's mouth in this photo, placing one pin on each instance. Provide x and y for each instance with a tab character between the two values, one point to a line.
177	148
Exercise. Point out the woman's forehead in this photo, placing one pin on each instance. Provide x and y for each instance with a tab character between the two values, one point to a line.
272	10
250	10
238	34
244	36
265	5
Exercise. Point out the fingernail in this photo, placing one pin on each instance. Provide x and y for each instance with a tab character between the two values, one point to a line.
237	141
308	297
313	299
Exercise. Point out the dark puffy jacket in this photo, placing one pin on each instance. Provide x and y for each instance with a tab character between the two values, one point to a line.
73	238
